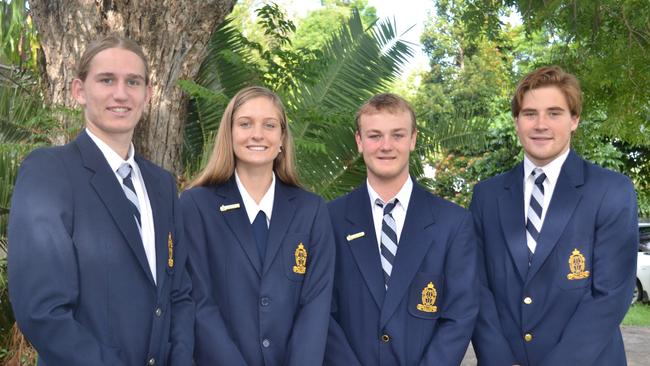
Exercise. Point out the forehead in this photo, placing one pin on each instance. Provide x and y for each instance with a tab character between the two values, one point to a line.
545	97
385	121
258	106
116	61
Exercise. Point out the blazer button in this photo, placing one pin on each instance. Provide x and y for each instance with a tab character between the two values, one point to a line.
158	312
528	337
385	338
528	300
151	362
265	301
266	343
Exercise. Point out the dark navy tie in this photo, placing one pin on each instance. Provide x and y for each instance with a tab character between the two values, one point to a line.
124	171
388	242
260	232
534	220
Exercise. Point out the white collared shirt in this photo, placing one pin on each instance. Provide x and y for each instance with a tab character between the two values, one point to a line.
399	211
146	216
252	208
552	171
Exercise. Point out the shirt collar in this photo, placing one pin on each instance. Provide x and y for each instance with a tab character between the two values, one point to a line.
114	159
552	169
266	203
403	195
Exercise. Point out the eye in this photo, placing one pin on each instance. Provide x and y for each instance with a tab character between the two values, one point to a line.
106	81
398	136
554	113
133	82
529	114
271	125
243	124
374	136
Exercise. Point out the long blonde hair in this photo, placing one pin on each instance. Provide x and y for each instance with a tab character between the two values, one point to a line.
221	165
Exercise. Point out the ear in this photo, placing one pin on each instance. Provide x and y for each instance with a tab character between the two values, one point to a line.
414	137
357	138
575	120
78	92
147	97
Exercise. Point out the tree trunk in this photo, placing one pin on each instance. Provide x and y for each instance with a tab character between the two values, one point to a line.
174	35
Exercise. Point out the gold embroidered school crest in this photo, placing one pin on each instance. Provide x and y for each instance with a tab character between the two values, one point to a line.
170	250
301	259
577	266
429	295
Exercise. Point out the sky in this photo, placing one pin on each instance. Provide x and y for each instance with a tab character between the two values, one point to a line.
407	14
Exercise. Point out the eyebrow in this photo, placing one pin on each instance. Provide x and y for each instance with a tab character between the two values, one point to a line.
112	75
391	131
548	109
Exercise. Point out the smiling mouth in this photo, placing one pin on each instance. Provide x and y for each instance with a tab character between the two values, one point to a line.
257	148
119	109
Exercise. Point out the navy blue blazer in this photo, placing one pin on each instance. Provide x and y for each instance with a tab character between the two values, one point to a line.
373	326
571	317
79	282
253	314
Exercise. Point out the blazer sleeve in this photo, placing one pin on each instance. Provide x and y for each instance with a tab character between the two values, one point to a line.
490	344
309	334
601	310
460	303
43	270
339	351
182	304
213	344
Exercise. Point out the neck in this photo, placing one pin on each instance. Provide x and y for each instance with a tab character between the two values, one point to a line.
387	188
256	181
120	143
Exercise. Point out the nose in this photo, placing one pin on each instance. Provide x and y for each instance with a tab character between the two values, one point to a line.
120	91
386	143
257	132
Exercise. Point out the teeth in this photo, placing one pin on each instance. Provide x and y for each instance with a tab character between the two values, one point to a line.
119	110
257	148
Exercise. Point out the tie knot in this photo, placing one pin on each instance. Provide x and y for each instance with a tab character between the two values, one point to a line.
388	207
124	171
539	176
261	217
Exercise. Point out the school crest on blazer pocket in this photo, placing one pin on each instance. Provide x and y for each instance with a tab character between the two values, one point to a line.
577	264
296	256
301	259
425	295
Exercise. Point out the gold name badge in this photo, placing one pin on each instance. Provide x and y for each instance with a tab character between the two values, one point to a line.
355	236
429	295
170	251
577	266
225	208
301	259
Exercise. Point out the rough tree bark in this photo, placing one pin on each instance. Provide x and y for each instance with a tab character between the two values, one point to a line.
173	33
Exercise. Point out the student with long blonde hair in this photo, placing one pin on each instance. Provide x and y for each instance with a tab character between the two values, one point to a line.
261	248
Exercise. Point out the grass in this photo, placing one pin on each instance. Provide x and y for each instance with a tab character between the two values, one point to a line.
638	315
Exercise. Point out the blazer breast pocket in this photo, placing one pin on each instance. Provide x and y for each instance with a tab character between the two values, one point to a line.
574	266
425	295
296	256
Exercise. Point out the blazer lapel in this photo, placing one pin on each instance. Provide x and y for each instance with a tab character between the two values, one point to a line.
511	214
283	211
161	218
563	202
238	222
110	192
418	234
365	249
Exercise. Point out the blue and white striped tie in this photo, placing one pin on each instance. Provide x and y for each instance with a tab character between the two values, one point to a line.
388	242
124	171
534	221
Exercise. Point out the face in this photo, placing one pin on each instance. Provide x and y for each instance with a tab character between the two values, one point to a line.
386	140
114	93
545	124
256	134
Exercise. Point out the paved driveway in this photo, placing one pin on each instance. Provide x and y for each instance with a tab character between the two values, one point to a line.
637	347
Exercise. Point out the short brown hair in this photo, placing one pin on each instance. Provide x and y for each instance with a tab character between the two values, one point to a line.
389	102
104	43
221	164
550	76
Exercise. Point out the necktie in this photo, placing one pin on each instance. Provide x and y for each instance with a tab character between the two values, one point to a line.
260	232
388	242
534	221
124	171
